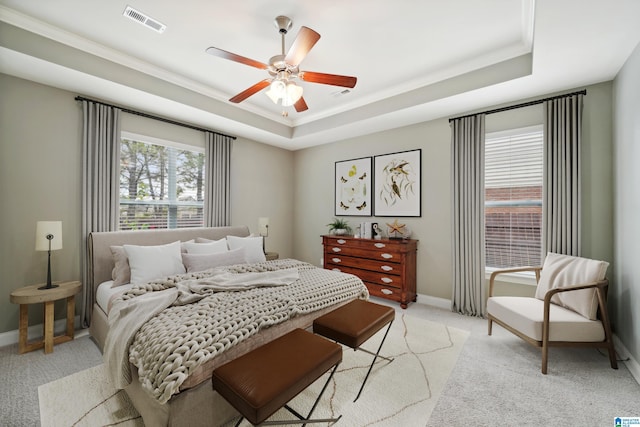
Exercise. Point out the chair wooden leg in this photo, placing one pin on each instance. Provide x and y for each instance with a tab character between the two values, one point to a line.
607	328
545	357
489	325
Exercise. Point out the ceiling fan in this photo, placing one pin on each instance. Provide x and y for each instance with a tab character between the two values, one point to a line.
284	70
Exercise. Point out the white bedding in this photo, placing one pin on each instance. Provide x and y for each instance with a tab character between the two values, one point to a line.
192	334
106	293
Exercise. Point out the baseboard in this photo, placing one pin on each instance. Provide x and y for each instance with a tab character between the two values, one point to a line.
35	331
631	363
435	301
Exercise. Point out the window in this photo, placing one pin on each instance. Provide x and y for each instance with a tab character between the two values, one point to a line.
513	197
161	184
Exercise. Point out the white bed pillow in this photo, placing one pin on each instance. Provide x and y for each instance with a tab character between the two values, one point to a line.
561	271
121	273
153	262
211	247
200	262
252	245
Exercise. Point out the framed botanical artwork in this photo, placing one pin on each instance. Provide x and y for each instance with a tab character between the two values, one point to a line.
397	184
353	187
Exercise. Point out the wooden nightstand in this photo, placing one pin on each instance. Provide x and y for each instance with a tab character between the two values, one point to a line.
271	255
33	295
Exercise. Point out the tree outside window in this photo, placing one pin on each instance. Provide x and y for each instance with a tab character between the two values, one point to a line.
160	186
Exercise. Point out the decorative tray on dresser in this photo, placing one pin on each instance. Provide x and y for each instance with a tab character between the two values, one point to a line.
386	266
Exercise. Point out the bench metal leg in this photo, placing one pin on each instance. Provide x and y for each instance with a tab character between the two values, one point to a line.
376	355
302	419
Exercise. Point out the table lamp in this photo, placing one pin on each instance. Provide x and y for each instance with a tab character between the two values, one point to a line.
263	229
48	238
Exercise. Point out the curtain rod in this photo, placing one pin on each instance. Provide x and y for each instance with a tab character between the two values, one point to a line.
151	116
524	104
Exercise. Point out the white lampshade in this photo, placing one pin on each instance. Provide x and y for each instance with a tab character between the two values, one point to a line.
46	228
263	226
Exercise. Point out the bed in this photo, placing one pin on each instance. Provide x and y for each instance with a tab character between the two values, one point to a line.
184	396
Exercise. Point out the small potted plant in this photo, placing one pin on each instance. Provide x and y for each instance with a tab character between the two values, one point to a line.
339	227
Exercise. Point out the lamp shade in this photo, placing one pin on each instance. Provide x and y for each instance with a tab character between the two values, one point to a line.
48	228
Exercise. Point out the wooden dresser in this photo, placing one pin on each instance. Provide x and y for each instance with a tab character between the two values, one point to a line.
387	266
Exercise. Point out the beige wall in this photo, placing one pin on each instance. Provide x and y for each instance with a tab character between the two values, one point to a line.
40	179
314	189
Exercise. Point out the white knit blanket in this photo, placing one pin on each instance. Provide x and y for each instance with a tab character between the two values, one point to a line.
154	328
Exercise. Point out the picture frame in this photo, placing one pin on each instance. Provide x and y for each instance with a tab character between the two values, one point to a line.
397	184
353	187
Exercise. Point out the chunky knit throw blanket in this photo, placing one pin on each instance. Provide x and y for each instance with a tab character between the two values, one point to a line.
178	336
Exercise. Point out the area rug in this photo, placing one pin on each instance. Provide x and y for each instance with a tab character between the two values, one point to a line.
401	392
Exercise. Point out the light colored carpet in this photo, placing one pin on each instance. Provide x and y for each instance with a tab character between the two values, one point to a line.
402	392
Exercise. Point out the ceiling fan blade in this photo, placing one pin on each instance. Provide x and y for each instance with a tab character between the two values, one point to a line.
328	79
303	43
300	105
252	90
237	58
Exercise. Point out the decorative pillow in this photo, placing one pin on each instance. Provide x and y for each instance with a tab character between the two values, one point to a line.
211	247
253	247
121	273
152	262
561	271
182	247
199	262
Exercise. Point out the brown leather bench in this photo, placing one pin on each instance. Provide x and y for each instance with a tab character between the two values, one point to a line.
353	324
264	380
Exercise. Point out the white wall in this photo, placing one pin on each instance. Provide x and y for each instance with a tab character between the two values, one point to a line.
625	291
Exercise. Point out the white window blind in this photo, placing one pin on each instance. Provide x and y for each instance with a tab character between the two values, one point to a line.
513	197
161	184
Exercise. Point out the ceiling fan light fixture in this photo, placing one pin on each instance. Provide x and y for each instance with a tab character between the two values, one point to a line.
284	92
294	92
278	88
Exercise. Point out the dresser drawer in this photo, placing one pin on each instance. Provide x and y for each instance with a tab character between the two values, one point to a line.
360	252
383	279
365	264
384	291
368	244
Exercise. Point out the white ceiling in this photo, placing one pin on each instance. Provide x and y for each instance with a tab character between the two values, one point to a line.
415	60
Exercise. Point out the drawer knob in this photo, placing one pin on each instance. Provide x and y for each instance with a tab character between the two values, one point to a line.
336	260
341	241
336	249
336	269
379	245
387	280
386	256
386	268
386	291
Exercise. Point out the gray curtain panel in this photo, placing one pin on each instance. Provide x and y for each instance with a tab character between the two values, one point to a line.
100	182
467	154
561	215
217	201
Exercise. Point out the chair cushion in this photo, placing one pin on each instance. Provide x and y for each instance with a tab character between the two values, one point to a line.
526	315
564	270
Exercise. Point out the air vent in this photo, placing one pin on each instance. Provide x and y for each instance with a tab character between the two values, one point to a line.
143	19
341	92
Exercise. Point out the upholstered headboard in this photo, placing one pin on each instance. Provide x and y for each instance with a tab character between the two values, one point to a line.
101	260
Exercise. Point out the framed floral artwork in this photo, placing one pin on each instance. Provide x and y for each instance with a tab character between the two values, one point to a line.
353	187
397	184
